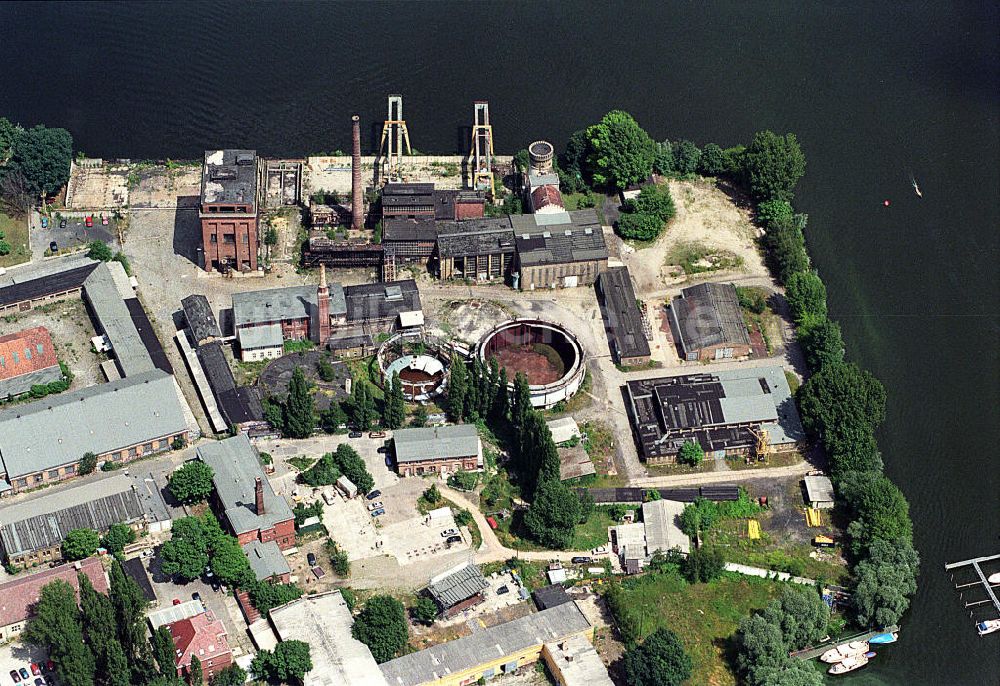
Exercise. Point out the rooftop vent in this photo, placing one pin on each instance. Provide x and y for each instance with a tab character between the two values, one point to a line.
244	159
546	234
223	174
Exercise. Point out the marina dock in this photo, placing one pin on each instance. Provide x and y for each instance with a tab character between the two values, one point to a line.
811	653
977	583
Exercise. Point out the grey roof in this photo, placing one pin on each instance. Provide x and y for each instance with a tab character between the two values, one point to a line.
58	430
237	466
238	404
273	305
578	663
622	319
115	321
580	240
266	559
438	442
486	645
472	237
819	489
200	318
41	279
266	336
44	520
229	176
456	585
707	315
662	531
175	613
358	340
403	229
374	301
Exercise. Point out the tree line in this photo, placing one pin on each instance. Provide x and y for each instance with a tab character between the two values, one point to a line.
34	163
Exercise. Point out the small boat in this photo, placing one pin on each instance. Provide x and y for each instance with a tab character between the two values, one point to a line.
849	664
844	651
988	627
993	578
882	639
916	188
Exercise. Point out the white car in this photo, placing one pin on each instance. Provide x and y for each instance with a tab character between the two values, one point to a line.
449	532
375	505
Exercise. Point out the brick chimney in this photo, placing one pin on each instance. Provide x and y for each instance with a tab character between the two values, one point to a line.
357	201
323	308
258	488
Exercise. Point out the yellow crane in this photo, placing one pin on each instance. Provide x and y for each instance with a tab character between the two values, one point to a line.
763	447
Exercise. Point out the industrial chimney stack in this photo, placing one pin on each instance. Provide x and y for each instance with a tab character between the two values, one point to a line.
323	308
259	492
357	201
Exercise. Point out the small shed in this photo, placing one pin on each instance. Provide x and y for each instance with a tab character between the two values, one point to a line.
563	429
819	492
347	487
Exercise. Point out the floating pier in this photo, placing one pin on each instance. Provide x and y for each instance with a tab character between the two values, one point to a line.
812	652
980	581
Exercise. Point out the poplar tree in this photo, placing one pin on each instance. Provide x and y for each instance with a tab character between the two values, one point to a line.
457	388
501	398
520	404
195	677
57	626
395	403
299	417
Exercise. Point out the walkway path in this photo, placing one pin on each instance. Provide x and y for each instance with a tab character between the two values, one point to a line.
765	573
797	469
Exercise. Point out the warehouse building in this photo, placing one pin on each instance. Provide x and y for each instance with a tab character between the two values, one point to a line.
707	322
27	358
384	307
438	450
479	250
495	650
19	596
32	531
202	324
622	319
560	250
726	412
35	284
458	589
575	662
229	209
243	496
293	309
43	442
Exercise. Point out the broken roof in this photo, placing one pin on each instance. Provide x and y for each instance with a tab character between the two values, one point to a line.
578	240
708	315
374	301
622	319
471	237
229	177
457	584
200	318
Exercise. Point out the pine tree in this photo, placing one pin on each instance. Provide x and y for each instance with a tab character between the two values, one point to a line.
472	388
299	417
395	404
115	669
98	617
457	385
484	394
501	398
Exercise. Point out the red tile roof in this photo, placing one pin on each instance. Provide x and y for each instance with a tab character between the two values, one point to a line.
26	351
18	596
546	195
200	635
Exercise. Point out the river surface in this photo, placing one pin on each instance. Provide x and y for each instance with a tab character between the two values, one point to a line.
875	92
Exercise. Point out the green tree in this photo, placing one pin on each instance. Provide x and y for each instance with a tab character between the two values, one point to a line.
500	410
183	558
621	152
332	418
229	563
87	463
654	200
573	163
457	388
886	579
299	417
660	660
703	564
638	226
80	543
56	626
861	455
117	537
774	212
338	559
713	160
195	675
233	675
882	514
553	514
801	614
663	158
424	610
395	404
786	249
520	403
381	625
99	250
325	370
760	648
698	516
271	236
274	413
163	652
773	165
361	407
806	297
840	403
115	667
792	673
43	157
822	344
431	494
8	134
353	467
323	473
97	616
191	482
691	453
266	595
419	418
687	157
287	663
130	613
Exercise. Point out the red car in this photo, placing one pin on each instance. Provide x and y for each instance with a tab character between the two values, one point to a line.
35	669
89	221
492	522
104	220
177	601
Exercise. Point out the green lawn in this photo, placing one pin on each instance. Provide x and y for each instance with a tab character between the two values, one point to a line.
301	462
704	616
15	232
593	532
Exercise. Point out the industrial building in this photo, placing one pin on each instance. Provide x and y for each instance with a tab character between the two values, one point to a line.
558	250
575	662
499	649
27	358
475	249
229	209
458	589
19	596
202	324
243	496
32	531
424	201
438	450
43	441
35	284
541	182
384	307
819	492
240	406
739	412
707	323
622	318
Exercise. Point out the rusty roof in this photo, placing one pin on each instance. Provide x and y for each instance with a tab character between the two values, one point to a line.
26	351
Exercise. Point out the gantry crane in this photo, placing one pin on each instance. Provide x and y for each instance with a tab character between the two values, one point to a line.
481	155
394	135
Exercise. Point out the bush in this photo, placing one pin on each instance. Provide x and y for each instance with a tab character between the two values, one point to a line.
806	297
463	480
381	626
338	559
99	250
703	564
638	226
655	200
774	212
752	299
691	453
786	249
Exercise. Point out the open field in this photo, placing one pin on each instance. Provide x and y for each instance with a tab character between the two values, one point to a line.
15	232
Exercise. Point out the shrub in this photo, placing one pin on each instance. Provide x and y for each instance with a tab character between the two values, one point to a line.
638	226
691	453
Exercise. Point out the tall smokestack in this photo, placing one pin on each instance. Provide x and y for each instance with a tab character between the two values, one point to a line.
357	201
259	492
323	308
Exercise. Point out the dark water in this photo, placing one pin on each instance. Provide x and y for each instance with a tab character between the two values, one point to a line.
874	91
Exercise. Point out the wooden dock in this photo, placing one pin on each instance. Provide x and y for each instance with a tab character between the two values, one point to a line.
812	652
980	582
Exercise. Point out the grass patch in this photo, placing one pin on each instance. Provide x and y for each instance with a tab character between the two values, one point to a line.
301	462
582	201
247	373
704	616
15	233
363	370
793	382
697	258
593	532
301	346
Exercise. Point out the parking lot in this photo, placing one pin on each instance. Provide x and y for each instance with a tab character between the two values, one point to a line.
15	656
74	235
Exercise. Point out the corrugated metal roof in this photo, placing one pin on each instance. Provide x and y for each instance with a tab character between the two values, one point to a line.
622	319
662	531
457	585
439	442
579	239
115	321
707	315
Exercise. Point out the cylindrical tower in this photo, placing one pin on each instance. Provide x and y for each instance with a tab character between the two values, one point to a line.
357	199
540	153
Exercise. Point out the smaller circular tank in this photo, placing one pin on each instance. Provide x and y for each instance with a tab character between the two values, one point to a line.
541	153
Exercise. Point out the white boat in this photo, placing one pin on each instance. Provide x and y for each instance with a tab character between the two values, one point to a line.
916	188
849	664
993	578
844	651
988	627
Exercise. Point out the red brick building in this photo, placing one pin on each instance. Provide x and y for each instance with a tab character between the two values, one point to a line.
204	637
230	209
18	597
27	358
